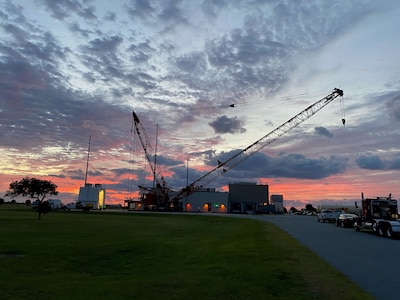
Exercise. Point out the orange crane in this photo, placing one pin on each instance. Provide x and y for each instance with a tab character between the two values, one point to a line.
258	145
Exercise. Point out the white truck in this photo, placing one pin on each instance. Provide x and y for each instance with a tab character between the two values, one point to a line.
55	204
328	215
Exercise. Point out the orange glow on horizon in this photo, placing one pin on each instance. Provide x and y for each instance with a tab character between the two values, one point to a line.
341	187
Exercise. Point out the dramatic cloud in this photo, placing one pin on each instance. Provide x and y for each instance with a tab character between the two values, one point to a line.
227	125
285	165
374	162
323	131
73	69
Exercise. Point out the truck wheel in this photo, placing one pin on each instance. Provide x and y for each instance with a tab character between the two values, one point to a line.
389	231
375	228
381	229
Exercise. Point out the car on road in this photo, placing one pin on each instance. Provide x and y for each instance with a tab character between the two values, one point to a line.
328	215
346	220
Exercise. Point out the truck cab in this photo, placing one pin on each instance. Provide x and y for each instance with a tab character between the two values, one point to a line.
380	215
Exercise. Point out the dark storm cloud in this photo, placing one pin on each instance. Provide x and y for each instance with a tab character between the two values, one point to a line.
371	162
298	166
374	162
395	163
224	124
285	165
323	131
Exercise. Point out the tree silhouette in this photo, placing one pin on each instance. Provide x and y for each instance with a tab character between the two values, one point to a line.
309	207
35	188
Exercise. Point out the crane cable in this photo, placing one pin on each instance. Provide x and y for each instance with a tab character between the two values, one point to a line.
260	101
342	111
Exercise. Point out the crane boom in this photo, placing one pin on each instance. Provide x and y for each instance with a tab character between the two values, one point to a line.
149	152
258	145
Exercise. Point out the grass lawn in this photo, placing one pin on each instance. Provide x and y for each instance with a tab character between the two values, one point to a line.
77	255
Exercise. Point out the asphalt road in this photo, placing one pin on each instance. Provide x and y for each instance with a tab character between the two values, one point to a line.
372	262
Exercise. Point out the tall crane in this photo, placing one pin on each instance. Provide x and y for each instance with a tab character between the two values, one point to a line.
258	145
160	190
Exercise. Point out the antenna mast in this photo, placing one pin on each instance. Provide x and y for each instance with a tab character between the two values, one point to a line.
87	160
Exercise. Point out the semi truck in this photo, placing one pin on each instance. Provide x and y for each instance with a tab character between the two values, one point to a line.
378	214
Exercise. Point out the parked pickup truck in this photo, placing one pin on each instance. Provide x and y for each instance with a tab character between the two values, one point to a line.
328	215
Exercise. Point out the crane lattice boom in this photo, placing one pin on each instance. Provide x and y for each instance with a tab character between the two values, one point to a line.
149	153
266	140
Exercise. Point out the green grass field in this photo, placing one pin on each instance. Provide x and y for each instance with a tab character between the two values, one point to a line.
76	255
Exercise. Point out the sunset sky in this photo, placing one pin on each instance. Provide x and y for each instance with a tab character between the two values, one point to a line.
71	69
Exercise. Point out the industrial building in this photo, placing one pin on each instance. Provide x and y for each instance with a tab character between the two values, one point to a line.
206	200
248	198
242	198
92	196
